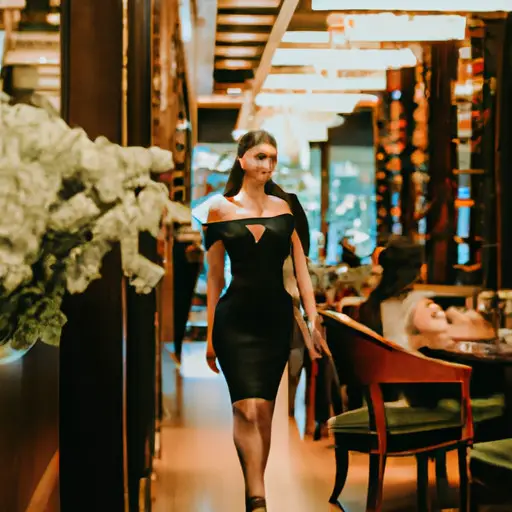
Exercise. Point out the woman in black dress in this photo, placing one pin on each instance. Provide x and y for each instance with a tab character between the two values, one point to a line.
250	326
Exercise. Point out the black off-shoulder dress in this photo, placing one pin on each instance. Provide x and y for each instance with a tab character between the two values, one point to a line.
252	329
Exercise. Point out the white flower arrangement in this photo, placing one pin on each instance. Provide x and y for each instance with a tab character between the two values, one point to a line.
64	201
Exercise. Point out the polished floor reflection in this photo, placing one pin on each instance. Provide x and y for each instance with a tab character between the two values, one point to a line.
199	469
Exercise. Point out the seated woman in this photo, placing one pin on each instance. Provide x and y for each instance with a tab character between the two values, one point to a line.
411	318
408	317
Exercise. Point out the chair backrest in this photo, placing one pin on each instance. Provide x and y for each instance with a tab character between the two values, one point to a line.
364	357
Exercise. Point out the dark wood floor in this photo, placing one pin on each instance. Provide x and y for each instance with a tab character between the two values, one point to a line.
199	470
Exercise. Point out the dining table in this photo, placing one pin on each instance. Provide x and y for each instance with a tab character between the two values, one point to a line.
492	359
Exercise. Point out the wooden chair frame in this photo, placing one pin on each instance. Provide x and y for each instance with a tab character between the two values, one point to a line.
364	358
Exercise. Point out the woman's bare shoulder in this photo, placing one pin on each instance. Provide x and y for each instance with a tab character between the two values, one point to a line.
218	210
279	205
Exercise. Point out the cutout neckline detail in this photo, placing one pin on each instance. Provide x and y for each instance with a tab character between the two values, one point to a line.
256	233
246	219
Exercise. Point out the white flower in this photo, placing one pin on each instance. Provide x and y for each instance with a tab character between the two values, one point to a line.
64	201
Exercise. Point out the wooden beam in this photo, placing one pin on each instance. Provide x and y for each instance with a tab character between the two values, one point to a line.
286	12
220	101
240	37
238	52
248	4
235	64
246	19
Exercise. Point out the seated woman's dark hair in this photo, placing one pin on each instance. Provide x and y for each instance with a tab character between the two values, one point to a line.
401	263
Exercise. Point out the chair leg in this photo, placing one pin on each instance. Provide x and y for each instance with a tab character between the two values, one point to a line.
422	483
376	482
464	478
473	500
442	484
341	474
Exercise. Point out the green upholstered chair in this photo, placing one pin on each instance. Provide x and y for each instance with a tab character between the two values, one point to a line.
491	473
363	358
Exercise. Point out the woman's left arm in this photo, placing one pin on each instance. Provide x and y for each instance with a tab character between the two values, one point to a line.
304	279
308	297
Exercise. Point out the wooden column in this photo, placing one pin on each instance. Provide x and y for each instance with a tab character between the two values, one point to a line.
393	132
141	351
504	158
442	188
325	162
93	462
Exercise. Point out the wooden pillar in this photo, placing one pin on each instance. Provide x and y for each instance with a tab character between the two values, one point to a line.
406	148
325	182
394	127
141	351
504	158
93	463
442	189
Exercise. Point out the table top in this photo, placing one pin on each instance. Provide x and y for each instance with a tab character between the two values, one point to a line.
479	351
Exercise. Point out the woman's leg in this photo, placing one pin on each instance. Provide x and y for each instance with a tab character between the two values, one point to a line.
252	426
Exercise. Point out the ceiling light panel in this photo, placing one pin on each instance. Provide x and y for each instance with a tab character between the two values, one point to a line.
237	52
389	27
235	64
240	37
413	5
353	59
375	81
336	103
248	4
246	19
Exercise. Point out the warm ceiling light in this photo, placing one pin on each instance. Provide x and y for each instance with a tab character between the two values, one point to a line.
237	52
248	4
305	37
298	82
241	37
413	5
235	64
353	59
246	19
53	18
337	103
387	27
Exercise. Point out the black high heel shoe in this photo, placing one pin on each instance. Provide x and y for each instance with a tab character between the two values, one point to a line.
256	504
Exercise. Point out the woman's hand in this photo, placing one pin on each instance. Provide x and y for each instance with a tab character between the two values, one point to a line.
211	359
316	345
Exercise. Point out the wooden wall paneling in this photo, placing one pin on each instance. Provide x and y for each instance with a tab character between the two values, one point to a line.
29	438
92	346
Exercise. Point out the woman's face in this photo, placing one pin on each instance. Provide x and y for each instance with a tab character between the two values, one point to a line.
259	162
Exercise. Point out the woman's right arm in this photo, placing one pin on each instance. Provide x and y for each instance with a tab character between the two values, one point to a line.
215	282
215	285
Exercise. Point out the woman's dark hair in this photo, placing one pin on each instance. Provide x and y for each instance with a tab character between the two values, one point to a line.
401	263
236	176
